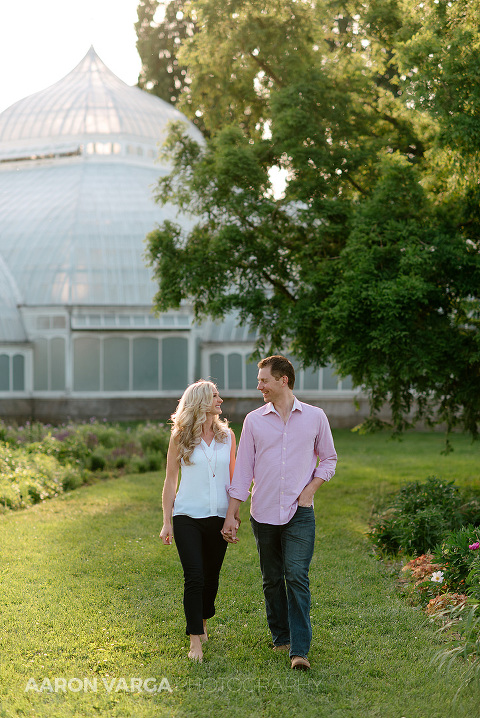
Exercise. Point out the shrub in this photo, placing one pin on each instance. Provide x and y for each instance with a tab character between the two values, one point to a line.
27	478
456	556
417	496
473	578
138	465
417	517
74	479
154	438
66	446
155	461
96	462
444	602
470	511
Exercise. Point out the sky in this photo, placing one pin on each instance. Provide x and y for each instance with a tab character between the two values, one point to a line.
41	41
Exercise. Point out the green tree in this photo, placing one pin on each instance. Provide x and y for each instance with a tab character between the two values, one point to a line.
444	53
158	44
370	259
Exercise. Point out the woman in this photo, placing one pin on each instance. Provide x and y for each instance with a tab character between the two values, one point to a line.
203	446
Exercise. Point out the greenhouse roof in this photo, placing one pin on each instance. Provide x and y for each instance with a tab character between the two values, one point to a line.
90	102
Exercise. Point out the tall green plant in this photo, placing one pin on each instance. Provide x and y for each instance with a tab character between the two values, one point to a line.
418	517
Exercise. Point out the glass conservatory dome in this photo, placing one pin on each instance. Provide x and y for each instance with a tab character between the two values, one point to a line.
90	102
77	173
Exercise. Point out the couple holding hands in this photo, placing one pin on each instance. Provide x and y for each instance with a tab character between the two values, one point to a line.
279	449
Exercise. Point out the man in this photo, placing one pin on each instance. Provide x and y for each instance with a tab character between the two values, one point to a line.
278	451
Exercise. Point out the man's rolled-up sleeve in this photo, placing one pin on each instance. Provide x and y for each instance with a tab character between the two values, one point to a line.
325	450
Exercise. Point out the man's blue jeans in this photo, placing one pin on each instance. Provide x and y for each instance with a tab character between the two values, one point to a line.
285	555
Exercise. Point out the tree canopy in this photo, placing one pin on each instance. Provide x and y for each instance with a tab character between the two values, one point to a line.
158	42
370	257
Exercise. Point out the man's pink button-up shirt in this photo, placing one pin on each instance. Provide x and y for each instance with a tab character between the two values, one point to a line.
281	459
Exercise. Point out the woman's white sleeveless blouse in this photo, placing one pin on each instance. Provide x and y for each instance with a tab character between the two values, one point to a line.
200	493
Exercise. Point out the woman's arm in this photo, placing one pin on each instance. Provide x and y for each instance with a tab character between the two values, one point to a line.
169	491
232	455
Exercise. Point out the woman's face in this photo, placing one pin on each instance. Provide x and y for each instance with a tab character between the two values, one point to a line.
217	402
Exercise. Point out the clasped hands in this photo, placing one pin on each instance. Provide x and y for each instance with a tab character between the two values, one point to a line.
230	528
232	523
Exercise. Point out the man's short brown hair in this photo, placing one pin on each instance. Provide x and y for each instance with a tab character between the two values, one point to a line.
279	366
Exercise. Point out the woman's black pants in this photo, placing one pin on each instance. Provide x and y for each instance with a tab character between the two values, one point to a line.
201	548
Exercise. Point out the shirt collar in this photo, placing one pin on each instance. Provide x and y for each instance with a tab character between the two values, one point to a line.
269	409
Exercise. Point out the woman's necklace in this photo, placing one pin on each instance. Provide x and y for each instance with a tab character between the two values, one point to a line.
209	462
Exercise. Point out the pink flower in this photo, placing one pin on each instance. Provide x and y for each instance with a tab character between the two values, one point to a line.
474	546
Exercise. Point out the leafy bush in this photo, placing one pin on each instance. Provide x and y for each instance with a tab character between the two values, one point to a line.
96	462
418	517
139	465
434	492
67	447
153	438
470	511
473	578
456	556
27	478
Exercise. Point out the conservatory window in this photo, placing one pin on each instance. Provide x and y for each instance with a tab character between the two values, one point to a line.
116	364
145	364
235	365
310	379
12	372
86	369
217	370
4	372
174	363
329	378
18	372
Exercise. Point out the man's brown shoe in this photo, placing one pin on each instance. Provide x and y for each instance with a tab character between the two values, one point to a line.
282	647
300	663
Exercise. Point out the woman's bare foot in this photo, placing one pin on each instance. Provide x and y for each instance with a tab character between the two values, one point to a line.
195	652
204	636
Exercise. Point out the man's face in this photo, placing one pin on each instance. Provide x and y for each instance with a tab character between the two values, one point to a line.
270	387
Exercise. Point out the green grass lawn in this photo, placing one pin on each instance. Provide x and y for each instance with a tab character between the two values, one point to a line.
90	597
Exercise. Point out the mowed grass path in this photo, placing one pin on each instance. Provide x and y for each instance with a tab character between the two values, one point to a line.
90	594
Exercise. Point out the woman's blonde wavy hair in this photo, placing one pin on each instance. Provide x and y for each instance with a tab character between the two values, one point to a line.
190	415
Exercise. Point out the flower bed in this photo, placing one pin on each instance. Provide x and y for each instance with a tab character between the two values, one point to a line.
40	461
439	526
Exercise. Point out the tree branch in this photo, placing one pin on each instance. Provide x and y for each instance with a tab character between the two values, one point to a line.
267	69
278	285
355	184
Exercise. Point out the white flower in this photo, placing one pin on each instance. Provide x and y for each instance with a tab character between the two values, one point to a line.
437	577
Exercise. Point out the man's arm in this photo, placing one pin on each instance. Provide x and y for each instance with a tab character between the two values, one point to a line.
325	451
239	488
